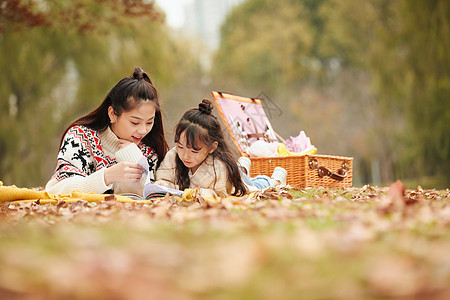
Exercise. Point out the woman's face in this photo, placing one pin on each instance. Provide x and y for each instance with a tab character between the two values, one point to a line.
193	158
135	124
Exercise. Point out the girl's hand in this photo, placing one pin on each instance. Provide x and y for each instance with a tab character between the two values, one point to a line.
123	172
123	143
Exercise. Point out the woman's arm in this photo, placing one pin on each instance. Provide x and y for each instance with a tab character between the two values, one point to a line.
94	183
129	154
76	167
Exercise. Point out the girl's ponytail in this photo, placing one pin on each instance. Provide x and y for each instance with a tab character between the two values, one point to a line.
205	106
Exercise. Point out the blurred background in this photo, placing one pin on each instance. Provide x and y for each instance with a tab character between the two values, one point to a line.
363	78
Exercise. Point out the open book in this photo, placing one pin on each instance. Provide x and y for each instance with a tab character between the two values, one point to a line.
152	190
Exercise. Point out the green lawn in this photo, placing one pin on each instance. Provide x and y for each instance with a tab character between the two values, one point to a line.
358	243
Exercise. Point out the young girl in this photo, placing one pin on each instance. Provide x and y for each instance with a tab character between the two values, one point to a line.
99	151
201	158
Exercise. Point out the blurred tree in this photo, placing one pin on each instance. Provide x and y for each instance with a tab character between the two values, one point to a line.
276	47
58	60
30	70
372	76
405	46
270	43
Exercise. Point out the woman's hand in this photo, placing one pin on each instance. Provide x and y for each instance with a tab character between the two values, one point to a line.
123	172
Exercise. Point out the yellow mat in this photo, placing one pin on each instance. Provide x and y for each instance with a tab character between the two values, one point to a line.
15	194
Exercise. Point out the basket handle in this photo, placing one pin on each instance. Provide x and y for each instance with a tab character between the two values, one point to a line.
322	171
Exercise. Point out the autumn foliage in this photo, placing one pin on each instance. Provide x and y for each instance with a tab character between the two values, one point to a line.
83	16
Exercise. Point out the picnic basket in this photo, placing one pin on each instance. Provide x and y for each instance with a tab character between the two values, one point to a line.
245	120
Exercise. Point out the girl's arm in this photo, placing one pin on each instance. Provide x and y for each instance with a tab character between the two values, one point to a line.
165	174
221	188
212	179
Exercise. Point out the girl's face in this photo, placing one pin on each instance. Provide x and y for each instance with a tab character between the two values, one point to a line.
135	124
193	158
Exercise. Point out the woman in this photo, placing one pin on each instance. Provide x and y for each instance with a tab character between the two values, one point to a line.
100	151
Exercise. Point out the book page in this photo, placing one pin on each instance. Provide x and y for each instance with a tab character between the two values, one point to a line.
151	188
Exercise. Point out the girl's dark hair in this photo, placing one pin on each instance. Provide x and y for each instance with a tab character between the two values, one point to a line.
199	125
124	96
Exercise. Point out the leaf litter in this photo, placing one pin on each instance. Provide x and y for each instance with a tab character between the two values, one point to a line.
353	243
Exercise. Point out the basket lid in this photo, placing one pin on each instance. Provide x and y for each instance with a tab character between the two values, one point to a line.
245	120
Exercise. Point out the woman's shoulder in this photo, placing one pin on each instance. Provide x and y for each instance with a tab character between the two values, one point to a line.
83	136
82	131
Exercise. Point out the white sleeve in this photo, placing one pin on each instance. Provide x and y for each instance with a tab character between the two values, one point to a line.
131	153
94	183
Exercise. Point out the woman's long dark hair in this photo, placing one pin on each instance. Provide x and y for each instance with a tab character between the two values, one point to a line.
199	125
124	96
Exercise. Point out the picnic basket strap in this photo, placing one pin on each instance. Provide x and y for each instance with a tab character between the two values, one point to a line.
322	171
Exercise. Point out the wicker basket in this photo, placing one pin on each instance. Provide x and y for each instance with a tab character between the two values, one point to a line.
303	171
308	170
